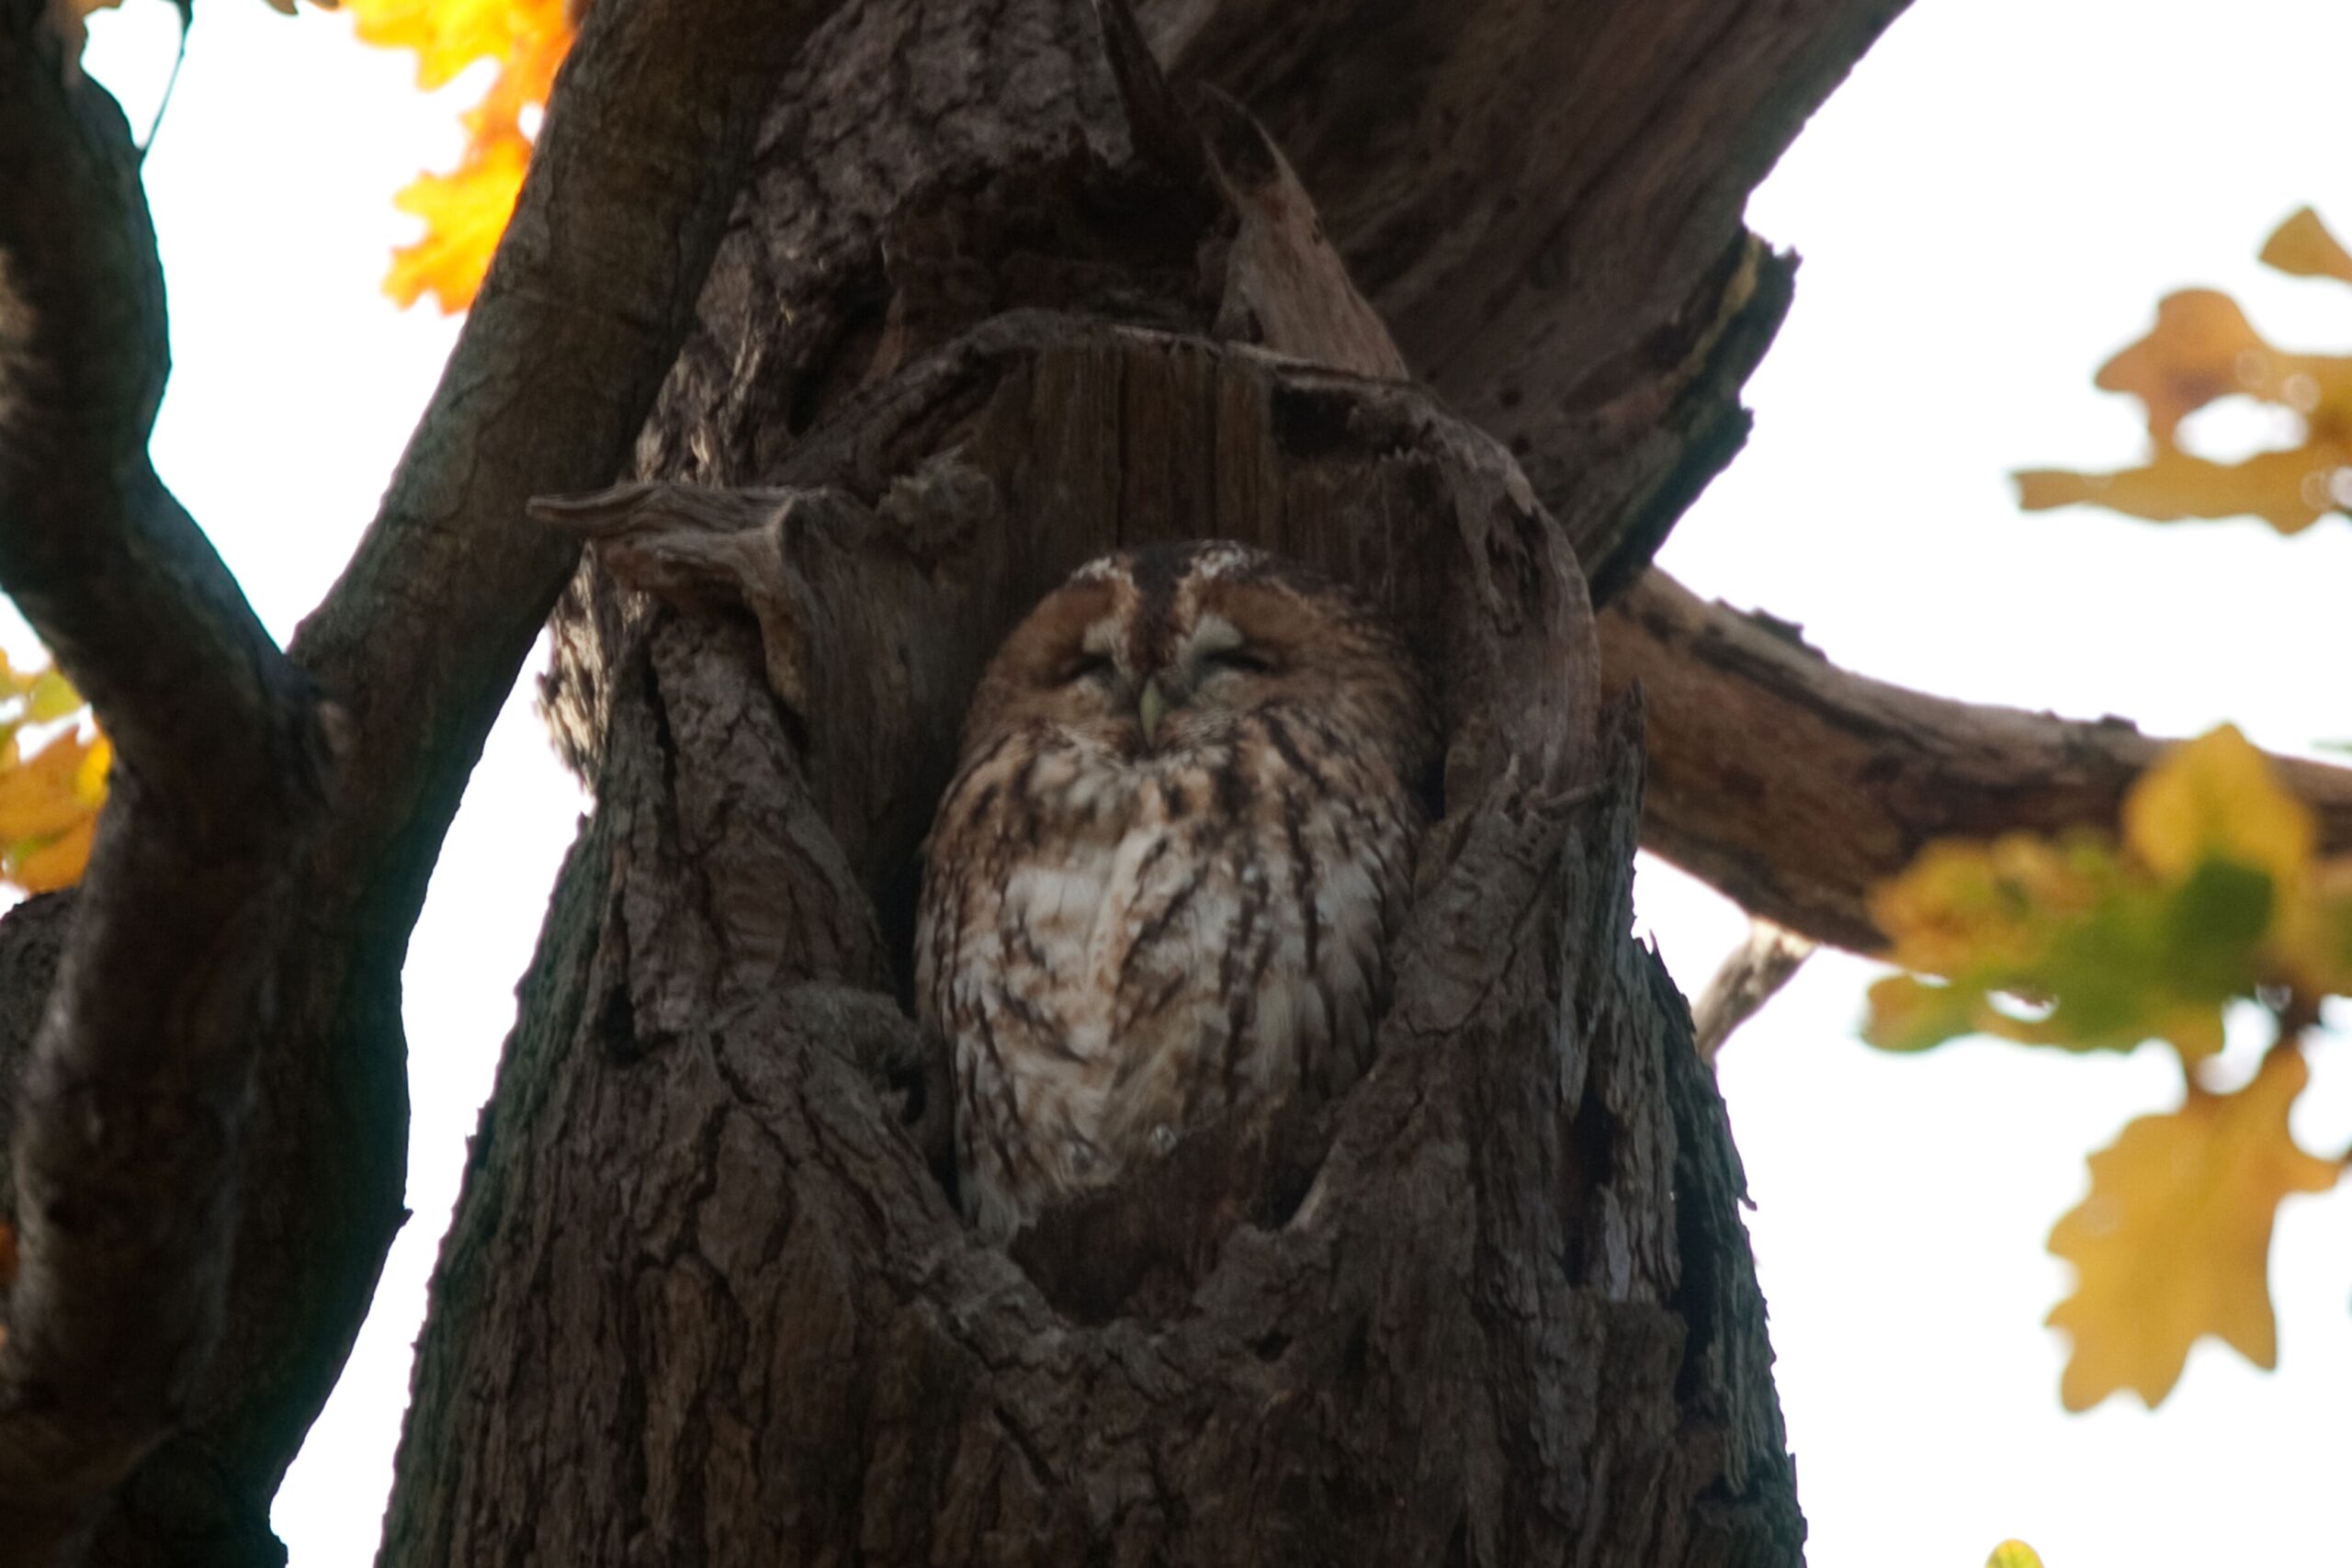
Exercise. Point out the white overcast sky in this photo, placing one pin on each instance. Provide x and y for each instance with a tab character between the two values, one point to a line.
1989	208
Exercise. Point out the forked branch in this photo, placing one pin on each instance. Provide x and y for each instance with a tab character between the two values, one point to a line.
134	1105
138	1244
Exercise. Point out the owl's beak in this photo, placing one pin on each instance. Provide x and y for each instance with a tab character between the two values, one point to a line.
1152	706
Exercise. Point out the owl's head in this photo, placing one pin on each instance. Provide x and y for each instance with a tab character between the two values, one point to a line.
1161	650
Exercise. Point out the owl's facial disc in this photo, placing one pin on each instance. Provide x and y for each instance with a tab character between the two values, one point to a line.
1208	667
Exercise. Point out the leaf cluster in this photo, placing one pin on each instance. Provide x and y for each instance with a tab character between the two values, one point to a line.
2213	894
466	209
2202	349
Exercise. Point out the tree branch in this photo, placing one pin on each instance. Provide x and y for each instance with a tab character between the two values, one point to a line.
1751	974
131	1113
1795	786
100	557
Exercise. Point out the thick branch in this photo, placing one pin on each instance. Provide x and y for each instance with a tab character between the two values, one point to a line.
132	1117
133	1109
1795	786
594	287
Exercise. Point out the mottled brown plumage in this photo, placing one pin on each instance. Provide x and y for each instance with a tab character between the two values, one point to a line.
1161	886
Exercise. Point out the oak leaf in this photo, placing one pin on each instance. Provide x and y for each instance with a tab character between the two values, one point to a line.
465	213
2215	798
49	811
445	35
2213	895
2301	247
44	795
2201	349
466	210
2174	1242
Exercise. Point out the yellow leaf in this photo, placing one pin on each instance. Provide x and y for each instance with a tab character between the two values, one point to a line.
464	215
2201	348
2214	799
466	210
2290	490
2174	1242
1962	904
90	778
50	697
2014	1554
59	862
44	795
2302	246
449	35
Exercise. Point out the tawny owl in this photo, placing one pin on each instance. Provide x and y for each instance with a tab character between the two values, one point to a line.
1160	889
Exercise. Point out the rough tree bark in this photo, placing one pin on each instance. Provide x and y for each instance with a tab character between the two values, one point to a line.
998	301
991	298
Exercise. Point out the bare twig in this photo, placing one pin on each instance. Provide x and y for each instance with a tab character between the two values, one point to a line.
1751	974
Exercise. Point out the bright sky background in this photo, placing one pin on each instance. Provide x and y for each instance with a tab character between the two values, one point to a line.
1988	209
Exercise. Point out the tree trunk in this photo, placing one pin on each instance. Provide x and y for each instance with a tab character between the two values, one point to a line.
997	299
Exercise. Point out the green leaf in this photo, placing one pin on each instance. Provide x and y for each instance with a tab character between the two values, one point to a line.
52	697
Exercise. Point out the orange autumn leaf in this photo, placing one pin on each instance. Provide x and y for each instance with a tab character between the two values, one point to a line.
48	812
2174	1242
2202	349
449	35
45	795
57	862
2290	490
465	213
2301	247
466	210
